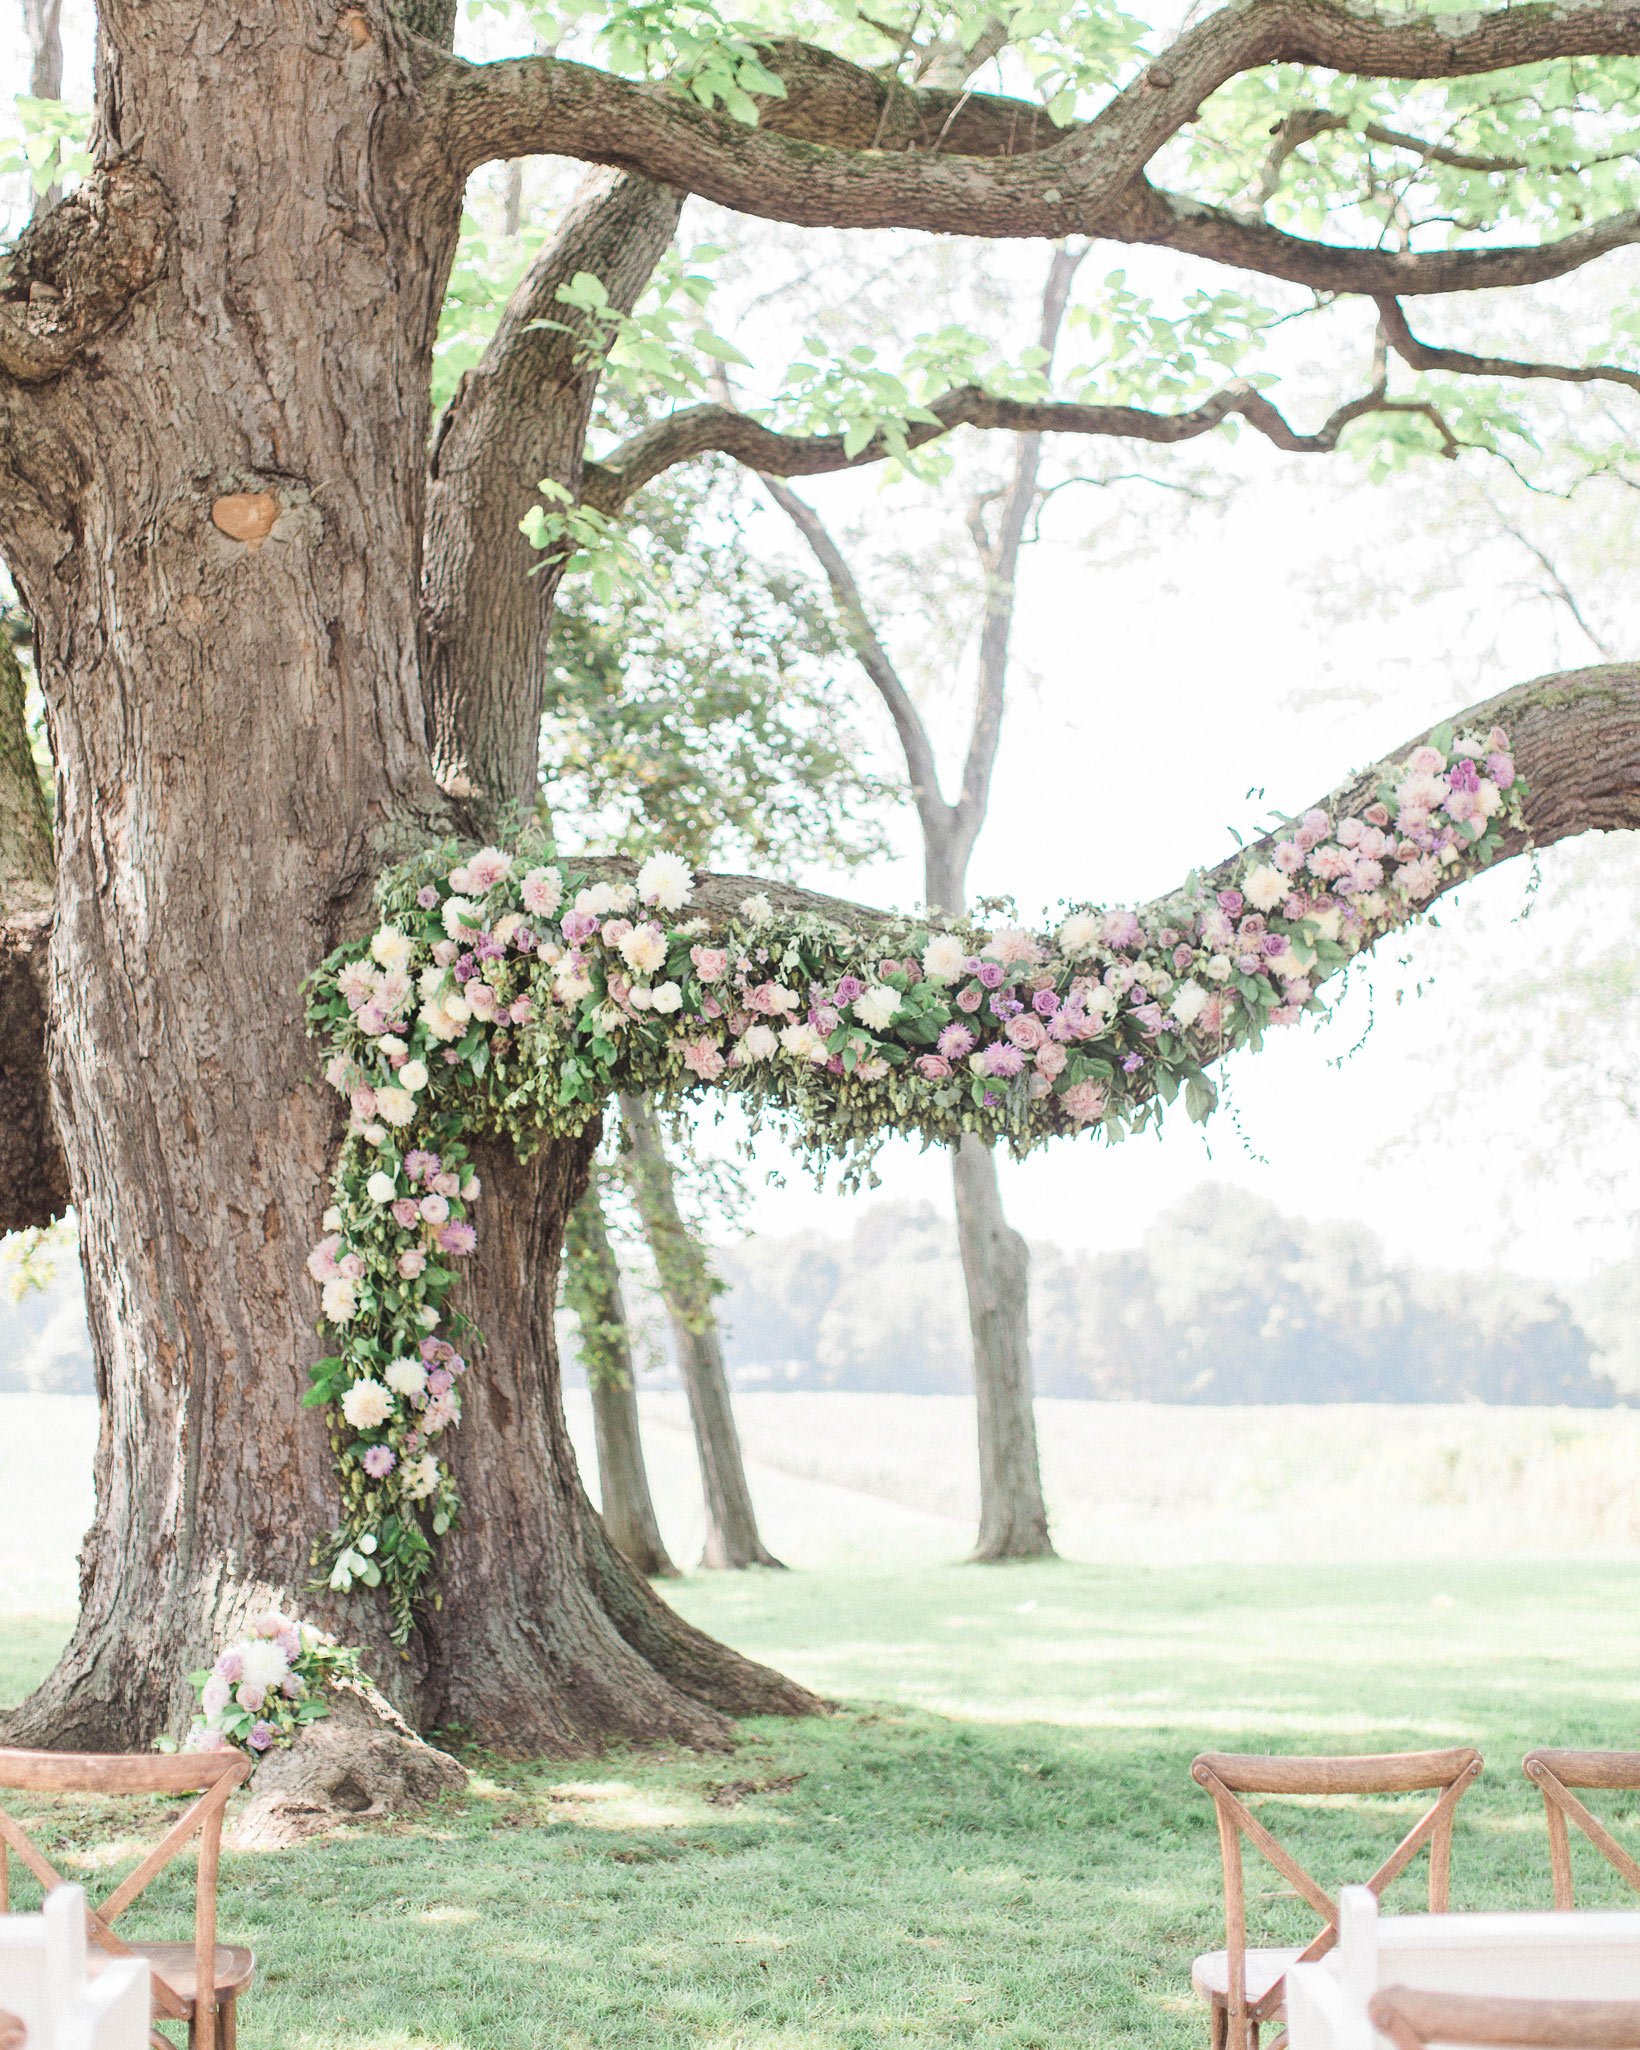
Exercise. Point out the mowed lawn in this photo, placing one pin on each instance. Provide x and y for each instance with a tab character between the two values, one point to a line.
995	1841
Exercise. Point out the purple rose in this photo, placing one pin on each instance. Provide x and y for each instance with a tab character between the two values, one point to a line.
1044	1003
1231	901
849	989
1275	944
488	948
427	897
991	974
440	1381
466	968
970	999
1183	955
261	1736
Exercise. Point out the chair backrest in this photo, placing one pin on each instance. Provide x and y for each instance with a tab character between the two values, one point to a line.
1411	2019
212	1775
47	2001
1555	1773
1229	1775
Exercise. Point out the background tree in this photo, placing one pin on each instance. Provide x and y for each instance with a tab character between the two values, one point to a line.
285	632
692	705
592	1289
995	1258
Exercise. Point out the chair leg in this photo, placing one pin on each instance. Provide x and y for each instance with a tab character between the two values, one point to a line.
1218	2023
227	2032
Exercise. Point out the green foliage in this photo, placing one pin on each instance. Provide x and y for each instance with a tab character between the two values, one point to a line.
53	147
1144	356
694	701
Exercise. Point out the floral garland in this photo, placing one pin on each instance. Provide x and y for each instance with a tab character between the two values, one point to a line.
265	1690
504	994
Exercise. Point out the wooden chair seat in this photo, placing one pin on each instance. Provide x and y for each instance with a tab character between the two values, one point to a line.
174	1963
1210	1974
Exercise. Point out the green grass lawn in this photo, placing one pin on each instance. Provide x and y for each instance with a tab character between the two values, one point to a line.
995	1842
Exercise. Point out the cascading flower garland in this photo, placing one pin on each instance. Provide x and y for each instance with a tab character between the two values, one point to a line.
504	994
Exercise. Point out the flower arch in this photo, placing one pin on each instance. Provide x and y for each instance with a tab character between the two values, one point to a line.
508	993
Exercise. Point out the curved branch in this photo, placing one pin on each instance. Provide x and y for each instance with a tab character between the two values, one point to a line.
1422	356
1168	220
849	149
721	430
874	659
74	270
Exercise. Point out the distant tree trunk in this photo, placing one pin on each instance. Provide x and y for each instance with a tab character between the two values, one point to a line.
592	1288
995	1260
996	1270
686	1285
1013	1520
43	24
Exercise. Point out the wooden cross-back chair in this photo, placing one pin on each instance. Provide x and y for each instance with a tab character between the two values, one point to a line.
1413	2018
200	1982
1555	1773
1245	1988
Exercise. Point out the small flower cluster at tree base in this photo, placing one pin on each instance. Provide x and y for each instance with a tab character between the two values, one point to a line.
265	1689
503	995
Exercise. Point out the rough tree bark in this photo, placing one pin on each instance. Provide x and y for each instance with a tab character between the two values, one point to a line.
1013	1520
213	508
216	503
592	1289
732	1539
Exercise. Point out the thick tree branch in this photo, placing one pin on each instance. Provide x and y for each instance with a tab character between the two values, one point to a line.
518	417
716	429
1422	356
847	148
1169	221
73	271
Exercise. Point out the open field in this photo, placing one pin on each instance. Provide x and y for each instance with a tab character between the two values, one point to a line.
891	1480
996	1843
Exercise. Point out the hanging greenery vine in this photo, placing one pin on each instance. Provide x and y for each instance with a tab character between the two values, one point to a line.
505	994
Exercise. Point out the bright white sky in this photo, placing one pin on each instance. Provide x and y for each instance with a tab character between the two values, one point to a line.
1166	689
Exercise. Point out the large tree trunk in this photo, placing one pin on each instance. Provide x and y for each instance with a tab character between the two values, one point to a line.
215	519
732	1539
592	1289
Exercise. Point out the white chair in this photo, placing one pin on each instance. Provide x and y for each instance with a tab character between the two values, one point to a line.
1557	1955
47	2001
